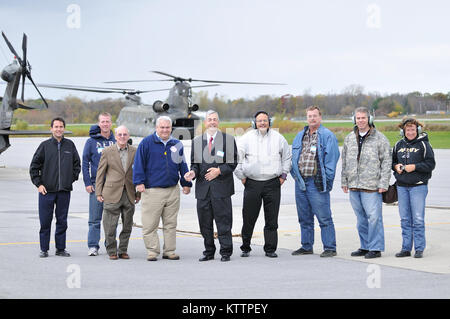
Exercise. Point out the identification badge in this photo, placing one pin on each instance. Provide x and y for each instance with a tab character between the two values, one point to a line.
220	153
99	150
313	148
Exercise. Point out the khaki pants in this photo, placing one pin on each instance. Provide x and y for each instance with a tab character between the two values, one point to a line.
160	203
111	214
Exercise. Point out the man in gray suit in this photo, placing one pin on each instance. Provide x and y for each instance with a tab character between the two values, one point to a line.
115	189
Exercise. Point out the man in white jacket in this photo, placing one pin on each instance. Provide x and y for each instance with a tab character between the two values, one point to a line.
264	162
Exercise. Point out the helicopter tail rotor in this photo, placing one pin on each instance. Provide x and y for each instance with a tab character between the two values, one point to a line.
25	65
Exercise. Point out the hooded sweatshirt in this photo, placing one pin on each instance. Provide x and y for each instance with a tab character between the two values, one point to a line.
418	152
92	152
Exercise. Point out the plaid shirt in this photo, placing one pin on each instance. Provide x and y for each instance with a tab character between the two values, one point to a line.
307	163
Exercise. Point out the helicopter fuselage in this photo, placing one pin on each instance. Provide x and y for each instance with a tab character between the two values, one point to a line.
140	121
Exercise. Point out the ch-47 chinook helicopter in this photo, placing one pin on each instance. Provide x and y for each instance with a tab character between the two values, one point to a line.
19	69
140	118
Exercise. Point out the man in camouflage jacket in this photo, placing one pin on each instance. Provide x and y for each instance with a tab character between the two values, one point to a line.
366	164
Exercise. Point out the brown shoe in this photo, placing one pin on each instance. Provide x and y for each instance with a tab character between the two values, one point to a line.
113	257
172	257
124	256
152	258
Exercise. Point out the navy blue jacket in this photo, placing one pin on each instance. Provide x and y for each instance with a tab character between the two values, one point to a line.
92	152
418	152
159	165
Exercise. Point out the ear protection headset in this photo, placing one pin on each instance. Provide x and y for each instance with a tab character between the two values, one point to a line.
412	121
368	114
256	114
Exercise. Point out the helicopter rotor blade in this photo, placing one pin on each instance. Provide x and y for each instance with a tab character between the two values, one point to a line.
171	76
177	78
147	91
34	84
86	89
98	89
202	86
131	81
11	48
24	66
64	86
238	82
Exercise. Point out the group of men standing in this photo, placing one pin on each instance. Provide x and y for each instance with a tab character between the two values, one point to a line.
118	175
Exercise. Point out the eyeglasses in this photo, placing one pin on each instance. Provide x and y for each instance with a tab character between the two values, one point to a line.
262	121
122	134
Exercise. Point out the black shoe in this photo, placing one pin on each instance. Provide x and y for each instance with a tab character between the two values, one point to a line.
359	252
206	258
43	254
225	258
328	253
372	254
403	253
62	253
245	254
302	251
272	255
418	254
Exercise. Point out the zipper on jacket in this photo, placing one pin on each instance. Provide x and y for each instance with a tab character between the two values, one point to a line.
59	166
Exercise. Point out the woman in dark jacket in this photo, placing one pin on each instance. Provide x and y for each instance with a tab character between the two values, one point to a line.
413	161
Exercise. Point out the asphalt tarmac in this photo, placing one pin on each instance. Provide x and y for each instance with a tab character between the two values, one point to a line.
24	275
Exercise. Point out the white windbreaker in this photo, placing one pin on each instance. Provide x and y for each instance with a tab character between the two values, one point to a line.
263	157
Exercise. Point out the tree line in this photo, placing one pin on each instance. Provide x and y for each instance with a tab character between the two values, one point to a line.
337	105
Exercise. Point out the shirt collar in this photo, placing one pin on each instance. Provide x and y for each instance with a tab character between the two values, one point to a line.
209	136
121	149
161	140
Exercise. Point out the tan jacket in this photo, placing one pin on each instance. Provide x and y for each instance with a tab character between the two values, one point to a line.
112	178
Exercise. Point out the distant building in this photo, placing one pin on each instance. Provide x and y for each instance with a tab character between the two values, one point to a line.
435	112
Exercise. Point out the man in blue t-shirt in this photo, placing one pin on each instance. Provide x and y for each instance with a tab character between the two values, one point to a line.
101	136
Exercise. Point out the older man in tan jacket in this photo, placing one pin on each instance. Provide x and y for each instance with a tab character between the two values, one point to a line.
116	190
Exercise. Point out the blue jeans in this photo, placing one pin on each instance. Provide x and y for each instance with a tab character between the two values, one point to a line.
411	206
95	219
309	203
369	219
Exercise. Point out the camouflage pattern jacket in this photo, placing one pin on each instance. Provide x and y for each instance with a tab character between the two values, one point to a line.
373	168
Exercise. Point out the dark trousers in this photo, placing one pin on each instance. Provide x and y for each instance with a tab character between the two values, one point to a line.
220	210
57	203
256	193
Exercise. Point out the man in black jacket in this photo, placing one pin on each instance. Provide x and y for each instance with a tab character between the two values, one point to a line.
213	160
54	167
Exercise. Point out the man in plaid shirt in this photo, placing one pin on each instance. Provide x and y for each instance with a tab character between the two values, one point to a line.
315	154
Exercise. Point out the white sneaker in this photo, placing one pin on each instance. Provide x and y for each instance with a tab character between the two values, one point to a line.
93	251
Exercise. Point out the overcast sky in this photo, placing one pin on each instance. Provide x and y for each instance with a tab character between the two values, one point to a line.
314	46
